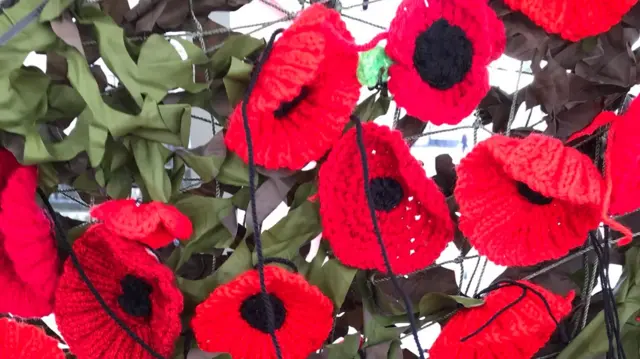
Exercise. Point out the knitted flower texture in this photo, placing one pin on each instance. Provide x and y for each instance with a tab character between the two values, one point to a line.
155	224
524	201
517	333
29	265
573	20
134	284
233	320
411	211
304	94
441	53
23	341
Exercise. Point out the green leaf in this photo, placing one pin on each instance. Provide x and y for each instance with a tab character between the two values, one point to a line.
333	279
373	107
238	46
348	349
303	193
53	9
150	157
433	303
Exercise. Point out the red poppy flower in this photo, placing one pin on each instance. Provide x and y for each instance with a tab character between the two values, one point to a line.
25	341
412	214
232	319
573	20
140	290
304	94
29	265
524	201
441	53
517	333
155	224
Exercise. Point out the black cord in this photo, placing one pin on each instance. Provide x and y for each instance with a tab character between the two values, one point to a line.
252	194
376	229
284	261
62	242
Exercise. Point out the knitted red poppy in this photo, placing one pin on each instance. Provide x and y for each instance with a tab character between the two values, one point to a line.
155	224
25	341
411	211
140	290
517	333
524	201
441	53
303	96
573	19
233	320
29	265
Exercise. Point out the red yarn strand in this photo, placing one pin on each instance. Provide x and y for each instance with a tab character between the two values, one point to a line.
606	219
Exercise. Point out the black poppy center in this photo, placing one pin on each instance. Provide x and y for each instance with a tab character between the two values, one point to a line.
386	193
135	298
287	106
253	311
531	195
443	55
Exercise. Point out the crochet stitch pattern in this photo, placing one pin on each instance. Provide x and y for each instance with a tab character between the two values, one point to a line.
411	211
232	319
525	201
303	96
24	341
135	285
441	53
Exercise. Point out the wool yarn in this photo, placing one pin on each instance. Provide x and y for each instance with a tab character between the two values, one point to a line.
525	201
303	96
411	211
29	265
24	341
573	20
441	53
135	285
232	319
517	333
155	224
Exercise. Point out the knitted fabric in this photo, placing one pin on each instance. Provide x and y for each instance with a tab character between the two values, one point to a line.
573	20
441	53
517	333
373	67
524	201
304	94
411	211
155	224
29	265
25	341
109	261
232	319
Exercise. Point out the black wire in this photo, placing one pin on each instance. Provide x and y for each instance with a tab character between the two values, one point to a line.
284	261
376	229
252	194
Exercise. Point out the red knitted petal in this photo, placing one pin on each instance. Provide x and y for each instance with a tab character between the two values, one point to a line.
8	164
18	340
219	326
573	20
506	227
517	333
307	55
107	259
415	232
28	256
604	118
482	28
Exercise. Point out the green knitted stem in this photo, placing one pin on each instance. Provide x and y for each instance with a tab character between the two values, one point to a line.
370	64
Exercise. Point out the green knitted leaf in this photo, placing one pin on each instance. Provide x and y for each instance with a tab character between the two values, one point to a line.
373	66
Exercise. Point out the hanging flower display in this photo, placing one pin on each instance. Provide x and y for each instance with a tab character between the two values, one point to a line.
441	52
412	214
24	341
233	320
303	97
524	201
140	290
155	224
517	333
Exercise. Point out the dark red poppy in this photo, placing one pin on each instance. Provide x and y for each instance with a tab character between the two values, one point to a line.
411	211
155	224
24	341
441	53
304	94
517	333
524	201
135	285
233	320
573	20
